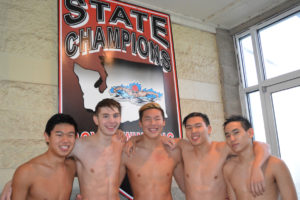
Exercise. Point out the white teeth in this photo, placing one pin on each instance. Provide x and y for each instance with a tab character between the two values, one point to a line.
195	137
64	147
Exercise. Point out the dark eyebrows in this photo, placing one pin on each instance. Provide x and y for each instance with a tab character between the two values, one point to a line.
235	130
63	132
197	124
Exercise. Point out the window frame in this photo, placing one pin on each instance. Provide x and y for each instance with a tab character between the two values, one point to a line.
276	83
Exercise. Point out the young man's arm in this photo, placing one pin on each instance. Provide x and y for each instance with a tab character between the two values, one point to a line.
130	145
230	191
257	180
171	143
122	169
179	176
284	180
6	192
21	183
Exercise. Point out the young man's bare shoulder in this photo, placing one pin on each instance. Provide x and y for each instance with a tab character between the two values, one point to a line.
220	146
184	142
70	163
32	167
275	163
81	144
26	168
185	145
85	140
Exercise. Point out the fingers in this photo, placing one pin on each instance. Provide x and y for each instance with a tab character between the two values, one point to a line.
78	197
257	188
129	148
7	191
172	144
169	142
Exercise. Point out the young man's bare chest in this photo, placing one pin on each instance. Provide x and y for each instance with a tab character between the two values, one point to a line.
203	168
150	164
49	185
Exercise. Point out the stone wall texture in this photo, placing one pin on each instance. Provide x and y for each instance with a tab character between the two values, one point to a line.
29	74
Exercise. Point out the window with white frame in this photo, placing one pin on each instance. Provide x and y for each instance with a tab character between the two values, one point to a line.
269	66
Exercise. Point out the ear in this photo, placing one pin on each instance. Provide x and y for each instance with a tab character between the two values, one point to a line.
140	123
95	119
209	128
47	138
250	132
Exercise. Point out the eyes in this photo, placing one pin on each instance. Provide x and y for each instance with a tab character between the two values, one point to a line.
234	133
147	119
115	115
61	134
190	127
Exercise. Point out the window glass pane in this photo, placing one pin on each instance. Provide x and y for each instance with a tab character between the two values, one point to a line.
248	61
287	108
256	116
280	45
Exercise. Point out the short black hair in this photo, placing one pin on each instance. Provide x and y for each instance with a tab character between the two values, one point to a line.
60	118
196	114
238	118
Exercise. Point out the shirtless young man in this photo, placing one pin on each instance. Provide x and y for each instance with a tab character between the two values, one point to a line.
239	134
49	175
98	157
151	167
203	161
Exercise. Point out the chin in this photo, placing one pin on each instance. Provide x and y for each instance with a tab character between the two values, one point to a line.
195	143
109	132
153	135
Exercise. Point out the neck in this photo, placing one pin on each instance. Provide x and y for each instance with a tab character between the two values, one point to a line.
204	147
102	138
151	143
247	154
53	159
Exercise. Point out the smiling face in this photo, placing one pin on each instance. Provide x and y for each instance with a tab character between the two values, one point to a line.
152	123
237	138
108	120
197	131
62	139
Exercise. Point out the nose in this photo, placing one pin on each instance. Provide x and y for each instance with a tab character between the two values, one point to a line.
65	138
112	119
232	138
194	129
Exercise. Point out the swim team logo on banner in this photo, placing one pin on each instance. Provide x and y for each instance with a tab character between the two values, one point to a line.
112	49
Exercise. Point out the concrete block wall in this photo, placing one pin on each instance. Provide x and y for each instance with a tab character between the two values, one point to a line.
198	75
229	75
29	74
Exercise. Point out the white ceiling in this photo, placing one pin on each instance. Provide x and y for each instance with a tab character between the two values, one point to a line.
210	14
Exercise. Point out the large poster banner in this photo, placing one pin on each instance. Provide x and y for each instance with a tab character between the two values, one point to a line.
112	49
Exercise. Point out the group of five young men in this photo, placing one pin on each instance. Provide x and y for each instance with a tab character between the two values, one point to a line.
201	168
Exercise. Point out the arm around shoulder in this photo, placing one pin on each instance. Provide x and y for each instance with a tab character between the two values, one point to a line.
179	176
226	173
262	153
257	179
